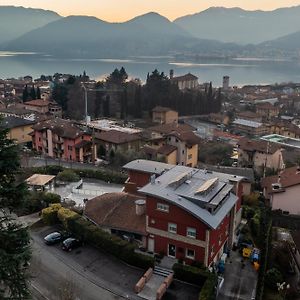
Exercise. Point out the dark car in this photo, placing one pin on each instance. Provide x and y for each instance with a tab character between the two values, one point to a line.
70	244
53	238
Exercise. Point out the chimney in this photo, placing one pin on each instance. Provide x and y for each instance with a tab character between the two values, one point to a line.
140	207
171	74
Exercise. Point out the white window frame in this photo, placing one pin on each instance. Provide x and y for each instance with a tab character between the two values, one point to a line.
162	207
172	227
187	256
189	229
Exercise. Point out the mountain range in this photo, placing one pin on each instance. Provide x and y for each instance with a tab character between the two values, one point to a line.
215	32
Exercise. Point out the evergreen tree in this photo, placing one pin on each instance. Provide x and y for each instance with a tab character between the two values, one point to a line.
124	105
32	93
25	93
15	240
106	106
38	93
138	102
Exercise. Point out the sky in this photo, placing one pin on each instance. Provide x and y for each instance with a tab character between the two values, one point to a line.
123	10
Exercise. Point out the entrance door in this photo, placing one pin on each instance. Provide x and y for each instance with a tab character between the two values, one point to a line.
151	245
172	250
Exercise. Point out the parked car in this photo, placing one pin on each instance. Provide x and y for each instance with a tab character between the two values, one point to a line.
53	238
70	243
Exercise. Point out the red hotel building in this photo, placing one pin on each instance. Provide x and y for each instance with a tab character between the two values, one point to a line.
191	214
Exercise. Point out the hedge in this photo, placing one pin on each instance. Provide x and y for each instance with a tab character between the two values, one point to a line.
49	214
90	233
101	174
208	291
190	274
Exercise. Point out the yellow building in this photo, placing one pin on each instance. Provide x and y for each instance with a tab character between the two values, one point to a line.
19	129
164	115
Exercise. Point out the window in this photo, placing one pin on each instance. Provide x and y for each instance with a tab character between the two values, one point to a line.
176	140
172	227
227	229
212	251
163	207
190	253
220	239
182	151
70	148
191	232
190	156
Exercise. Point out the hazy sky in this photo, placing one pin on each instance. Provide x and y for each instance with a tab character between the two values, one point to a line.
121	10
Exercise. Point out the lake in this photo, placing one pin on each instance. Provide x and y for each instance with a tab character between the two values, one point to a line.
241	71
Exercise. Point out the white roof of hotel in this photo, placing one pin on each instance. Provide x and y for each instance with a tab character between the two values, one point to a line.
196	191
247	123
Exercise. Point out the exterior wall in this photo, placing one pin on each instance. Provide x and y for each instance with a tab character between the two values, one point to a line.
172	158
193	154
171	116
157	227
40	109
139	178
217	240
246	188
20	134
287	200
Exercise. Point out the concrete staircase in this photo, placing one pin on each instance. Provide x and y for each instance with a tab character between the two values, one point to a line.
162	271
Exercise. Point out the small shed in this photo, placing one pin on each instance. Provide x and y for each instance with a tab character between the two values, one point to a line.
41	182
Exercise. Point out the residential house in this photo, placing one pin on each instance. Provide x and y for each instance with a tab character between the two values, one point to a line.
258	154
176	144
219	118
164	115
191	214
285	128
117	141
19	129
59	138
251	128
249	115
283	190
44	107
121	214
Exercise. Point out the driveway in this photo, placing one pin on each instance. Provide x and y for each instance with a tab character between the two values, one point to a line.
88	273
239	283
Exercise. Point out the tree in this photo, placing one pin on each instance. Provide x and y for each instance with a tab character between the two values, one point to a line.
138	102
32	93
117	77
14	237
38	93
25	93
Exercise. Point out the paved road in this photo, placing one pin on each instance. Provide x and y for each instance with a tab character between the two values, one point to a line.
239	282
85	272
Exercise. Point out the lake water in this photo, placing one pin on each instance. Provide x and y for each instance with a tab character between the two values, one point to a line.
241	71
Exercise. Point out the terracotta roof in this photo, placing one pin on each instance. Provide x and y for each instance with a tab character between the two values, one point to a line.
265	106
257	145
187	76
117	137
288	177
167	128
37	102
166	149
248	115
290	156
189	137
116	210
161	109
61	127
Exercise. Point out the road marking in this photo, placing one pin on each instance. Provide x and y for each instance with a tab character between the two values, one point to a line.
39	291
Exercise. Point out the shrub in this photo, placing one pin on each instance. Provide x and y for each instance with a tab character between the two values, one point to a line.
68	175
49	214
64	214
50	198
273	276
190	274
208	291
104	241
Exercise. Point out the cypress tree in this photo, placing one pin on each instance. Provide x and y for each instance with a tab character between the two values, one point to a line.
25	93
38	93
32	93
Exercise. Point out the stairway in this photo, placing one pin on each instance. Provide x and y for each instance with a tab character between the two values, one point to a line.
162	271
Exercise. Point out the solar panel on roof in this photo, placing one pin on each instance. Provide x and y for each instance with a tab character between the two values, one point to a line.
207	185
